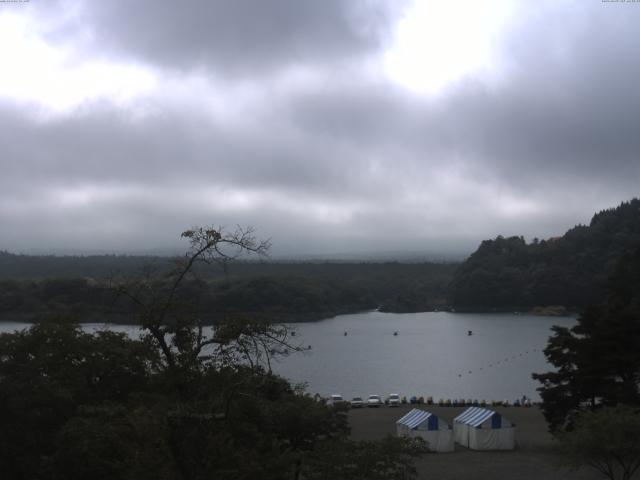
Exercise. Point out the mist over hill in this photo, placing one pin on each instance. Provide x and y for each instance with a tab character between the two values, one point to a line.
506	273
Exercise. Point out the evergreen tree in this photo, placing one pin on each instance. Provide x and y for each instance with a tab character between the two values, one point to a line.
597	360
572	270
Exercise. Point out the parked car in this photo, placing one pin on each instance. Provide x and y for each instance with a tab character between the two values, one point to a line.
336	399
393	400
374	401
357	402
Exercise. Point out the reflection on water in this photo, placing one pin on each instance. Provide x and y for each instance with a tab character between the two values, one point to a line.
431	355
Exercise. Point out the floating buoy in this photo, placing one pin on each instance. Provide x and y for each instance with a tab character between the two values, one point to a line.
395	334
469	332
345	334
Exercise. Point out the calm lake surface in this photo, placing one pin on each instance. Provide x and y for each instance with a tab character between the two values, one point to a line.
432	355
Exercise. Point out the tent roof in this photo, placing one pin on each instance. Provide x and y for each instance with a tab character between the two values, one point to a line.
474	416
414	418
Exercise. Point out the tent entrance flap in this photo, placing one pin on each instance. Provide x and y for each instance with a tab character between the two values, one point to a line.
496	421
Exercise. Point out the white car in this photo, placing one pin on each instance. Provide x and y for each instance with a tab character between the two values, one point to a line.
374	401
336	399
357	402
394	400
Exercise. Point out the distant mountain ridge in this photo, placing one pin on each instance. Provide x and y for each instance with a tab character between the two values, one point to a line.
30	267
572	270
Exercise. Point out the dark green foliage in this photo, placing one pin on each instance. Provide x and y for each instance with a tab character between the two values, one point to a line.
388	459
75	405
34	267
598	360
67	298
607	440
111	442
284	292
408	302
101	406
286	297
47	374
572	270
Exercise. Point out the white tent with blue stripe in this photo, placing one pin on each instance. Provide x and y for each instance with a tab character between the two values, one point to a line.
418	423
481	429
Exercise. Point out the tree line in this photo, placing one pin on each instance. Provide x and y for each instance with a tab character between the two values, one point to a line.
572	270
281	299
284	291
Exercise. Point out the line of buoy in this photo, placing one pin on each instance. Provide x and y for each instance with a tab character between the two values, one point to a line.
395	334
500	361
469	333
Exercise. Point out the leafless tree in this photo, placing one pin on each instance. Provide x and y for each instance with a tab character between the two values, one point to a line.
177	328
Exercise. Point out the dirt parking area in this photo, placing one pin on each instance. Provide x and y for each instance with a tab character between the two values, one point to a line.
534	458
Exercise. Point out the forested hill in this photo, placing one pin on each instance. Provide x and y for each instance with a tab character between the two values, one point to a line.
572	270
36	267
32	287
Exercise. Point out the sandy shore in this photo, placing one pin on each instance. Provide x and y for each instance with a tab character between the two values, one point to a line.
534	458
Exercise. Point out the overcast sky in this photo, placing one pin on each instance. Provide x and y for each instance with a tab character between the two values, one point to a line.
331	126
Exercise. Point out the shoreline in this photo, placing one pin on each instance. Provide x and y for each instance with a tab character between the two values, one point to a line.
121	319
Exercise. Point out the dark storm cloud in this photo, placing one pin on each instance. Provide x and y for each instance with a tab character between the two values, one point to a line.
233	37
344	162
557	117
102	145
102	176
570	106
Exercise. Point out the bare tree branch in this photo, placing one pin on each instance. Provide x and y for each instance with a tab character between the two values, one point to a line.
179	334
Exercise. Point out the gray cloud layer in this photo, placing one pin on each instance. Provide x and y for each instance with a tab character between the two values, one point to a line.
237	37
340	161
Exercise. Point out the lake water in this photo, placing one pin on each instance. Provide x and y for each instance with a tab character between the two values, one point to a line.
432	355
